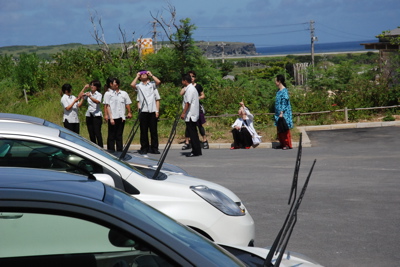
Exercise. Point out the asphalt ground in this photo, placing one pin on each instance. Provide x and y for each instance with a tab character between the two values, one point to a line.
350	213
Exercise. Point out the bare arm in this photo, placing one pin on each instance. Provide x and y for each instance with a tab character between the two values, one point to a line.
134	82
187	106
158	82
202	95
157	108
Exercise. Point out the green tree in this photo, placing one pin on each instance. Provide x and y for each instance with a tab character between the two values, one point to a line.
28	74
6	66
180	36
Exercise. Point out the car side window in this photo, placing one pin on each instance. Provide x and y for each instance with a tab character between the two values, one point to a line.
57	240
30	154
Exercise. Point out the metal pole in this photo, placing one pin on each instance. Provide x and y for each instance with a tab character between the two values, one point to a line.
312	41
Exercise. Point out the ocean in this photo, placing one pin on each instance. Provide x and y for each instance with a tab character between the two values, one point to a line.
318	48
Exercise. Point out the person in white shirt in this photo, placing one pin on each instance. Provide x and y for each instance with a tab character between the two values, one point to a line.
244	134
190	114
70	104
148	104
94	116
118	102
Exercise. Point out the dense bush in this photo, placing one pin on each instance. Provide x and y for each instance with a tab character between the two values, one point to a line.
347	82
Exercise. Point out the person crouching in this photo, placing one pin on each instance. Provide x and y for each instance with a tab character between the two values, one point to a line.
244	134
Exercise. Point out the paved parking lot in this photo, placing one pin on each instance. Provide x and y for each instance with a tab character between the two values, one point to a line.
350	214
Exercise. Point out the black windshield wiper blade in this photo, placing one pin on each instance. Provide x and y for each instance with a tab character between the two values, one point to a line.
132	134
293	191
168	145
290	222
134	128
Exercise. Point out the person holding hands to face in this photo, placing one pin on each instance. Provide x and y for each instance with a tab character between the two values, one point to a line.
148	104
93	114
70	104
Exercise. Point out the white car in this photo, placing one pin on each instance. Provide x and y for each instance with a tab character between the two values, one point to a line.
210	209
135	159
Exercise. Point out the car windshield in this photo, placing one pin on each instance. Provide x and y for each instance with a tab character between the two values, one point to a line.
89	145
193	240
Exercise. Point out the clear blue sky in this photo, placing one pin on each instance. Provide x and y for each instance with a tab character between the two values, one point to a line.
263	22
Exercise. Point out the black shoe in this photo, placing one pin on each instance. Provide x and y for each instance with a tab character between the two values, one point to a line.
205	145
186	146
156	151
192	155
141	152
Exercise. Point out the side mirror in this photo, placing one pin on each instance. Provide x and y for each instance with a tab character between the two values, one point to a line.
104	178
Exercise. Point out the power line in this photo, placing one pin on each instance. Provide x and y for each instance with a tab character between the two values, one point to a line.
253	27
340	31
244	35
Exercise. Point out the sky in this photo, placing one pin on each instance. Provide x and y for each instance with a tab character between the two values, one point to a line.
266	23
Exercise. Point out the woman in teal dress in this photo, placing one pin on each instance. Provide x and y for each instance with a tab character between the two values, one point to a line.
283	113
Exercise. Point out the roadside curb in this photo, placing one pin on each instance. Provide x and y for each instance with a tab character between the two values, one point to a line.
306	142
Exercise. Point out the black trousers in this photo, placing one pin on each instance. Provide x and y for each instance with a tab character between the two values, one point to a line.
94	128
148	121
115	134
194	137
72	126
242	138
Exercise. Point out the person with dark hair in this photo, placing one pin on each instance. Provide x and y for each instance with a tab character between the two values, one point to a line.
148	104
283	114
117	103
70	104
243	132
190	114
93	114
202	118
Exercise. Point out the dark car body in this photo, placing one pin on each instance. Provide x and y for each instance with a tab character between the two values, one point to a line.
50	218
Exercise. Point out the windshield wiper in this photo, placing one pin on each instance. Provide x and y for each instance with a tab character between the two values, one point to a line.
134	128
282	239
132	134
296	171
168	145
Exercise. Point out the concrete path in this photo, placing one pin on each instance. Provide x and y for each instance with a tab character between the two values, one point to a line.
302	129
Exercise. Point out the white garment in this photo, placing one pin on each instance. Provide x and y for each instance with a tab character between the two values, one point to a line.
191	96
117	102
147	95
94	108
107	95
249	125
72	114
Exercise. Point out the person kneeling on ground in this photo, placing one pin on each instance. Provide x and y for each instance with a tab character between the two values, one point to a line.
244	134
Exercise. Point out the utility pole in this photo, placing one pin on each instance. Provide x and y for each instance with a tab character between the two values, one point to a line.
155	36
223	51
313	38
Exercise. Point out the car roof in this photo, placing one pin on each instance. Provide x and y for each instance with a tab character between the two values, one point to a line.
22	118
48	180
24	128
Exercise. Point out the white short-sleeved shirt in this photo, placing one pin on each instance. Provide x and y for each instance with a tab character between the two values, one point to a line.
72	114
107	95
191	96
117	102
147	95
94	108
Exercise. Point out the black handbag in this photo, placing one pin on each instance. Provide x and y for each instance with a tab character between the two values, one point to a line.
282	125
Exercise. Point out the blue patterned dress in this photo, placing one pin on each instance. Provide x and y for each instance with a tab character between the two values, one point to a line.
282	103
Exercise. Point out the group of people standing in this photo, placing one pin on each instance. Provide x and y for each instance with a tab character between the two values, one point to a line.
117	108
117	102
